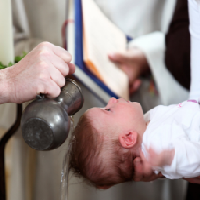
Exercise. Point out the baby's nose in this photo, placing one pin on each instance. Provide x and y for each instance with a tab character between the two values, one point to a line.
112	100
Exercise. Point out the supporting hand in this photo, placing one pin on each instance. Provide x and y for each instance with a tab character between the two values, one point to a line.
141	175
163	158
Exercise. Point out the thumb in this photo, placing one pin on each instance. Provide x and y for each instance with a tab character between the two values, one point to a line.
147	168
146	165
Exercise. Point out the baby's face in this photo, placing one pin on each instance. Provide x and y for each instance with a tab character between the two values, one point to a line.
117	116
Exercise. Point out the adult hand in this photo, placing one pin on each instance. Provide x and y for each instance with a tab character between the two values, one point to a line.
43	70
141	175
156	159
134	63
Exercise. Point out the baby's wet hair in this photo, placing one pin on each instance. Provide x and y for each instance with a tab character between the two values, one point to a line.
100	162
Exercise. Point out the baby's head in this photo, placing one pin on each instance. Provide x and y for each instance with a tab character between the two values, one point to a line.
105	143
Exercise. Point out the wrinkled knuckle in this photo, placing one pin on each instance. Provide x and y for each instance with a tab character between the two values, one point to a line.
44	44
43	65
43	77
44	53
41	45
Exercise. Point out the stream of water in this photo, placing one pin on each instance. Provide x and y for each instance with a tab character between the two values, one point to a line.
64	179
65	168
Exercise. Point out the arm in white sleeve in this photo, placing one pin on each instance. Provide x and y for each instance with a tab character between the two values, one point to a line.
153	45
154	42
194	13
186	162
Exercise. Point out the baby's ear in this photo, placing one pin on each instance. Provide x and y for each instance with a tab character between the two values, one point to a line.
128	140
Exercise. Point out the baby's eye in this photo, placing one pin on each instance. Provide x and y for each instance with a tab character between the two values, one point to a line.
108	109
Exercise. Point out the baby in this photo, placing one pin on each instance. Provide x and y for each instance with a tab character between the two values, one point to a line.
107	140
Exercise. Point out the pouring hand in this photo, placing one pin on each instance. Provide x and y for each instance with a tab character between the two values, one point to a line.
43	70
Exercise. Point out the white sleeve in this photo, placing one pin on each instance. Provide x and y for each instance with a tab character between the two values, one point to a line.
186	162
153	45
154	42
22	36
194	13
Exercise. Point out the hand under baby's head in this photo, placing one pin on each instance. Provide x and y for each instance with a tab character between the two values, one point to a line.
102	144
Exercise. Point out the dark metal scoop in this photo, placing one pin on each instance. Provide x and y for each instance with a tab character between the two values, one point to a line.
45	122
